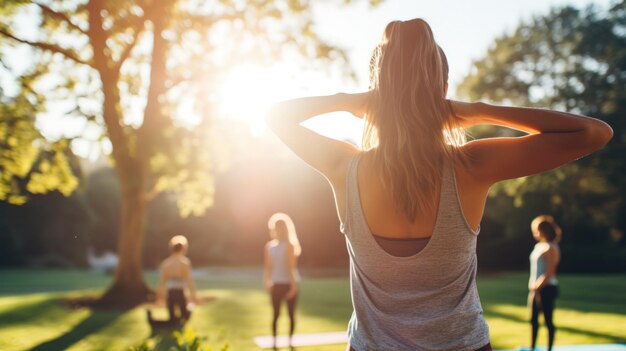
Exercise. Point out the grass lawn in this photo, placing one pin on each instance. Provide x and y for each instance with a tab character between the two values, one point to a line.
591	309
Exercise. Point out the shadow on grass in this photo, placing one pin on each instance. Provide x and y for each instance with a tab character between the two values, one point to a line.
580	331
178	340
93	323
583	293
28	313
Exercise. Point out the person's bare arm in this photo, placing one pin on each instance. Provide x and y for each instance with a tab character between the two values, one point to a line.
326	155
267	271
190	283
553	139
160	291
532	296
292	267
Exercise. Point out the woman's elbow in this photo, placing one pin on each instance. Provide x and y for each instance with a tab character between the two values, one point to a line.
598	134
607	133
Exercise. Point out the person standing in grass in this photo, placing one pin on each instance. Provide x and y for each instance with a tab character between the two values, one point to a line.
410	203
281	275
543	285
175	281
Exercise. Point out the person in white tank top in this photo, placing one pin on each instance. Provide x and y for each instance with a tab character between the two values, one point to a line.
543	284
281	275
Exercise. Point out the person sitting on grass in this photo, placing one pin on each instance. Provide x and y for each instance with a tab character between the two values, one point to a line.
174	281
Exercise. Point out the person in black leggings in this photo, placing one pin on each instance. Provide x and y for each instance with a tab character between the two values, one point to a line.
279	294
281	275
543	284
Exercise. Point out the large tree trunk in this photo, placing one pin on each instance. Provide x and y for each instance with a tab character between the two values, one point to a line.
131	152
129	288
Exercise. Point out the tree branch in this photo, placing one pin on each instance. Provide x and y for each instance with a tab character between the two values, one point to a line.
59	15
48	47
208	21
127	50
109	78
174	82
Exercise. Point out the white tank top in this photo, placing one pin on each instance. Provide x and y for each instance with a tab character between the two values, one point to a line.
176	283
280	266
538	265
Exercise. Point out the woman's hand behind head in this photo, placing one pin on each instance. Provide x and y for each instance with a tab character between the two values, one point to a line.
466	113
356	104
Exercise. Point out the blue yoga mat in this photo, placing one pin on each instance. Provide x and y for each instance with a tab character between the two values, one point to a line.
600	347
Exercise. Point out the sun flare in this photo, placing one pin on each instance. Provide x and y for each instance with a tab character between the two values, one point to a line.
247	92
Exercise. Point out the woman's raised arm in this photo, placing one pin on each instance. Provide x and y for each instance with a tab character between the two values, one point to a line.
324	154
554	138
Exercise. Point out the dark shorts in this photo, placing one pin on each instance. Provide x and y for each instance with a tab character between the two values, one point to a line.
177	305
280	290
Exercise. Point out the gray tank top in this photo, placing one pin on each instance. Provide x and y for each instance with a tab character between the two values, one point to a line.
427	301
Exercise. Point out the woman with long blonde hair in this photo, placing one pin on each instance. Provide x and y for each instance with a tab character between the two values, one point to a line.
281	275
410	203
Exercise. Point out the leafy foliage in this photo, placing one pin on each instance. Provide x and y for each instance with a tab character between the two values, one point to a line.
108	56
572	60
29	164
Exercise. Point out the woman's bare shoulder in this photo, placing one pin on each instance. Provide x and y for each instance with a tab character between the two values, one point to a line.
340	171
554	247
468	164
546	248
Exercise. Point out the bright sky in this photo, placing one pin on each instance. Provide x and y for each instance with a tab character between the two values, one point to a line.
464	29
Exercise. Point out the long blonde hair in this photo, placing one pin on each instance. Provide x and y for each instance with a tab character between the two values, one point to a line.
409	125
292	236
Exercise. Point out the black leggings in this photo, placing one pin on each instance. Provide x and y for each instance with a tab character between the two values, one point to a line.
544	302
279	293
176	301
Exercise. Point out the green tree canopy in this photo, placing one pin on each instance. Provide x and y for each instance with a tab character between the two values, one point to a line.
573	60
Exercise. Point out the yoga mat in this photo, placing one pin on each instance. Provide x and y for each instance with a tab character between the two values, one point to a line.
597	347
267	342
